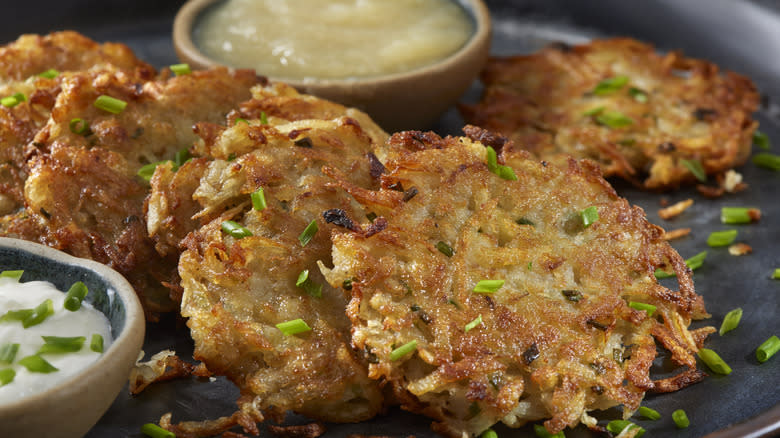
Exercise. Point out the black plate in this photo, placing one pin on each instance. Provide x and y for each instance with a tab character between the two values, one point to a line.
738	35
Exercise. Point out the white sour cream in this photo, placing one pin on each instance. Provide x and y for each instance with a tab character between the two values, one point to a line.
63	323
332	39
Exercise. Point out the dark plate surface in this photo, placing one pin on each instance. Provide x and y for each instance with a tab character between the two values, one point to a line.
738	35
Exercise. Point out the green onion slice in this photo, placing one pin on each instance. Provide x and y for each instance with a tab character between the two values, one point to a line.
52	73
649	308
75	296
614	119
147	171
110	104
506	172
403	350
308	233
680	419
293	327
19	97
721	238
258	199
761	140
155	431
589	216
445	249
696	261
8	353
776	274
16	315
7	376
736	215
16	275
59	345
306	283
39	314
473	324
696	168
235	229
489	433
263	118
639	95
37	364
713	361
96	343
767	161
617	426
181	157
9	101
768	349
593	111
730	321
650	414
542	432
180	69
488	286
492	159
79	126
610	85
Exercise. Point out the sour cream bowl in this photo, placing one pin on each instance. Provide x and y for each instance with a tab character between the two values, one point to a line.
72	406
412	98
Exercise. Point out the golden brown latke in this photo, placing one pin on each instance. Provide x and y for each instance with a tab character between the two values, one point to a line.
235	290
636	112
557	339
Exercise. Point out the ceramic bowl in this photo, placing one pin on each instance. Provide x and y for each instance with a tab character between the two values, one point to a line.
72	407
402	101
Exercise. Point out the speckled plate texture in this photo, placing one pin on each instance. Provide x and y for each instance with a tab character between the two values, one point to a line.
743	36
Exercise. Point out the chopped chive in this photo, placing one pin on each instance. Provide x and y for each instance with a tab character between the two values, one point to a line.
308	233
236	230
776	274
258	199
8	353
180	69
738	215
58	345
79	126
639	95
614	119
730	321
39	314
110	104
37	364
49	74
445	249
155	431
492	159
650	414
768	349
542	432
767	161
147	171
617	426
96	343
506	172
7	376
713	361
181	157
610	85
20	97
75	296
9	101
473	324
16	275
760	139
488	433
16	315
488	286
696	168
263	118
589	216
293	327
680	419
240	120
593	111
572	295
695	262
305	283
721	238
403	350
649	308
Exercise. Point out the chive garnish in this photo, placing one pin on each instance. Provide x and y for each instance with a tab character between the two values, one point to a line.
110	104
473	324
58	345
445	249
650	414
308	233
16	315
696	261
505	172
19	97
614	119
680	419
258	199
572	295
8	353
617	426
293	327
589	216
649	308
768	349
180	69
542	432
760	139
593	111
767	161
776	274
75	296
736	215
39	314
7	376
730	321
403	350
155	431
263	118
235	229
488	286
147	171
37	364
306	283
16	275
96	343
79	126
181	157
49	74
492	159
488	433
638	94
696	168
713	361
610	85
721	238
9	101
